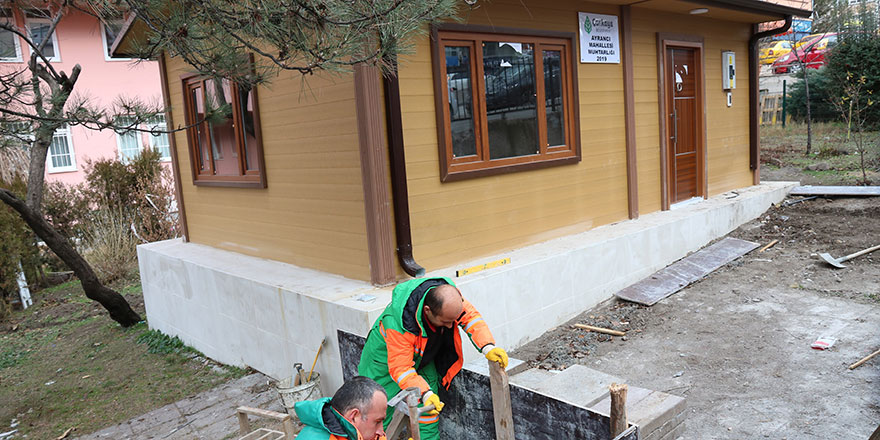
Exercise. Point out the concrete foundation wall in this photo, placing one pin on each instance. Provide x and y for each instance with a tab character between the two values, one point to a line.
243	310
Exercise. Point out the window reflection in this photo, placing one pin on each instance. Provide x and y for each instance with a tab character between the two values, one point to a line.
553	100
511	110
458	84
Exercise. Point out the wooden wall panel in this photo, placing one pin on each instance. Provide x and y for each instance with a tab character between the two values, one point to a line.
312	212
459	221
727	129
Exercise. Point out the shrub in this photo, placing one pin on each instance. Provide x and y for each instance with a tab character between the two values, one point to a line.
821	109
132	203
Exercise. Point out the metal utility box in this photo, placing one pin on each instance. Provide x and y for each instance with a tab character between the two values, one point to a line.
728	70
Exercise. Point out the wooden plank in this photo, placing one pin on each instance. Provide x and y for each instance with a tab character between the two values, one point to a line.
685	271
618	408
498	381
856	191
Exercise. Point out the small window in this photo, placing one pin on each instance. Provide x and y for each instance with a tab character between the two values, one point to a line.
10	46
128	143
159	141
224	136
131	143
38	28
61	157
507	102
110	29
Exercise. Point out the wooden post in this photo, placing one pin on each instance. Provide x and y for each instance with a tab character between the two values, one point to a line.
618	408
412	403
244	426
501	401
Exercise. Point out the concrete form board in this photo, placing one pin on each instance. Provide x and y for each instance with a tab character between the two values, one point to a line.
681	273
468	413
857	191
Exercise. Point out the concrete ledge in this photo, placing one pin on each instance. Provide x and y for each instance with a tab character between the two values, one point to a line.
242	310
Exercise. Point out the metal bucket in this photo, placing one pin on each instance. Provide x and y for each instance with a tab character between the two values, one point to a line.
290	395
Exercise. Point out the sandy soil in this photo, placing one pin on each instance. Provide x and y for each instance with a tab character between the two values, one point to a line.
737	343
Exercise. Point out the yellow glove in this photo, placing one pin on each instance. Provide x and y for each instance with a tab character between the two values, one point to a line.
432	399
498	354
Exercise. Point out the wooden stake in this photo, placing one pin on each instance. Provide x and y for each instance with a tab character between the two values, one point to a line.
600	330
864	359
501	401
768	246
618	408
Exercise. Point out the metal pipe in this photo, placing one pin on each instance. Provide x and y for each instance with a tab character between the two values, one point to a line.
399	191
754	85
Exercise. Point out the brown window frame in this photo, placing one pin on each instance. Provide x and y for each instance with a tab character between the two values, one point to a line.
452	168
246	178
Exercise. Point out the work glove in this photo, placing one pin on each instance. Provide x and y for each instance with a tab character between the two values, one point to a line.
432	399
498	354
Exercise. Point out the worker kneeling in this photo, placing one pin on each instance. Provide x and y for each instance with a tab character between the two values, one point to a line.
355	412
414	343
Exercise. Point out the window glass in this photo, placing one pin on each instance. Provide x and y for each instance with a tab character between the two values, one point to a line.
553	98
9	45
511	109
248	128
129	142
459	87
60	151
111	28
197	103
159	141
222	127
39	31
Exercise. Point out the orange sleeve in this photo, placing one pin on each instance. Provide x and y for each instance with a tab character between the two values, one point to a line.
400	360
476	328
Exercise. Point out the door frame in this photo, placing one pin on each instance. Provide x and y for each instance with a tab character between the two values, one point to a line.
664	41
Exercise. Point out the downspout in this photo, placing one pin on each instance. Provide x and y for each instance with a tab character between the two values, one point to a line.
399	191
754	94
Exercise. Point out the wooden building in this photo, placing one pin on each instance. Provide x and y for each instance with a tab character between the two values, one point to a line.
523	123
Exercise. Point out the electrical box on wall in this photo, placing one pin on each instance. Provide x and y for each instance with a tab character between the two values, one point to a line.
728	70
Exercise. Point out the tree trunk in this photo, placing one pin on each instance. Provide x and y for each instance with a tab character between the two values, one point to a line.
120	310
809	115
37	171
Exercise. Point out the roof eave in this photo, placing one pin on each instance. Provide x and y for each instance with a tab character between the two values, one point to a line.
757	7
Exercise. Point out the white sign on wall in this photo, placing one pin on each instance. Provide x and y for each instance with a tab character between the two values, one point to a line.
600	42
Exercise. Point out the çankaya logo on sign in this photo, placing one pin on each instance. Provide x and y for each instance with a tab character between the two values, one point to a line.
599	38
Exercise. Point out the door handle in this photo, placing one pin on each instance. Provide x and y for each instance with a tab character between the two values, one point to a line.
674	116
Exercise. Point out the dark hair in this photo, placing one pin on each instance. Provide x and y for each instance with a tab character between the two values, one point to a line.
356	393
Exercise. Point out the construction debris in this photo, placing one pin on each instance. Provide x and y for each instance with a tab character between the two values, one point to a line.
810	190
600	330
863	360
768	246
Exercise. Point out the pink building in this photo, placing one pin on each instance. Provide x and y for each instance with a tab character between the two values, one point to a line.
82	39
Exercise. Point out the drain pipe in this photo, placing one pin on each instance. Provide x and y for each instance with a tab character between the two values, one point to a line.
399	191
754	93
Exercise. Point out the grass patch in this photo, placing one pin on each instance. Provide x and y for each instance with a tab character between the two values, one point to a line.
68	364
835	159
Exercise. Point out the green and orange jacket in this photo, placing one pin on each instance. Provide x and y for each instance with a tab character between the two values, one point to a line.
322	422
397	341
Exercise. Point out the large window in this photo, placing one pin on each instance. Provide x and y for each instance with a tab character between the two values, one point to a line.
61	157
38	27
505	101
10	46
224	136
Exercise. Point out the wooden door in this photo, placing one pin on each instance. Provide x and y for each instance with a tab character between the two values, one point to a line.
684	110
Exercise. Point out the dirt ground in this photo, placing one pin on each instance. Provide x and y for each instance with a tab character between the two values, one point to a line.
65	364
737	343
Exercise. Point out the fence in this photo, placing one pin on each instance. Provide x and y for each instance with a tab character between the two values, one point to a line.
771	109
